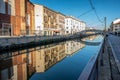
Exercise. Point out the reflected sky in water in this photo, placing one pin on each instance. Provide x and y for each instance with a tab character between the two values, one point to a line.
62	61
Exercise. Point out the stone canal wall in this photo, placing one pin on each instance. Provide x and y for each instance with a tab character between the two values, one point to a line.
8	43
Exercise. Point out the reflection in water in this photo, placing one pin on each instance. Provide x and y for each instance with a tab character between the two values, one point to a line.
90	38
13	68
22	64
90	42
47	57
72	46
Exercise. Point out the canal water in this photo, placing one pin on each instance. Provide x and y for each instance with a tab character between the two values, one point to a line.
60	61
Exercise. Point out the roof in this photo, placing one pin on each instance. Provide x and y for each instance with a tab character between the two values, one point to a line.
117	21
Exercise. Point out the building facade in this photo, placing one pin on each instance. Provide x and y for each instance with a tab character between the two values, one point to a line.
20	66
16	17
30	21
12	17
49	56
72	47
21	17
39	21
73	25
115	25
14	68
45	20
61	23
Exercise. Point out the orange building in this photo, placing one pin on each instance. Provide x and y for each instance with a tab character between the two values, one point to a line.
16	16
12	17
29	10
20	66
14	68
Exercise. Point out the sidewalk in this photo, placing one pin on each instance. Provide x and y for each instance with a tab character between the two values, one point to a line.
108	67
115	46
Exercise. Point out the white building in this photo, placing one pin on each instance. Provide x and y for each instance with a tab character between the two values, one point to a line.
73	25
46	21
73	46
115	26
39	26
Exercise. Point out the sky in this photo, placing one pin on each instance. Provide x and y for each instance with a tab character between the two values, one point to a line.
82	9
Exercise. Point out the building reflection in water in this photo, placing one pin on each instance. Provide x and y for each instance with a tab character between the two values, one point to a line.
73	46
89	38
14	67
47	57
20	65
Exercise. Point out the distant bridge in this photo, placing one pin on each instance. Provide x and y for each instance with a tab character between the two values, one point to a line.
85	33
92	30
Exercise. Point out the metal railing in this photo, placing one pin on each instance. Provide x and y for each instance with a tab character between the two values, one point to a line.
91	71
30	32
7	41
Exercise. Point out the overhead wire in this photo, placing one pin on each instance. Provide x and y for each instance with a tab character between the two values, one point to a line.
91	4
85	13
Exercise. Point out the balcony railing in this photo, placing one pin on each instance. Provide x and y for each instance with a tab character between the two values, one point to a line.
31	32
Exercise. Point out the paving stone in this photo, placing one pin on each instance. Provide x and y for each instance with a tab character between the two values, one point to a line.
109	70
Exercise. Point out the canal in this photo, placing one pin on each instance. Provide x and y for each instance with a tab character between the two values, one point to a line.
60	61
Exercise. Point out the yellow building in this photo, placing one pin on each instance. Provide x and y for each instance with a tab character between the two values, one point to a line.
61	23
47	57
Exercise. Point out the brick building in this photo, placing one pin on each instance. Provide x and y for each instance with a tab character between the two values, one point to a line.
29	10
14	68
12	17
16	17
18	67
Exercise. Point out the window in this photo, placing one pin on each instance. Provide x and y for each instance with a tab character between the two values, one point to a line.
28	19
11	7
116	29
6	29
2	6
67	31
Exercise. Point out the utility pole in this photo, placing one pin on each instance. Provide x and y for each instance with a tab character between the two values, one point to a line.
105	23
105	27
